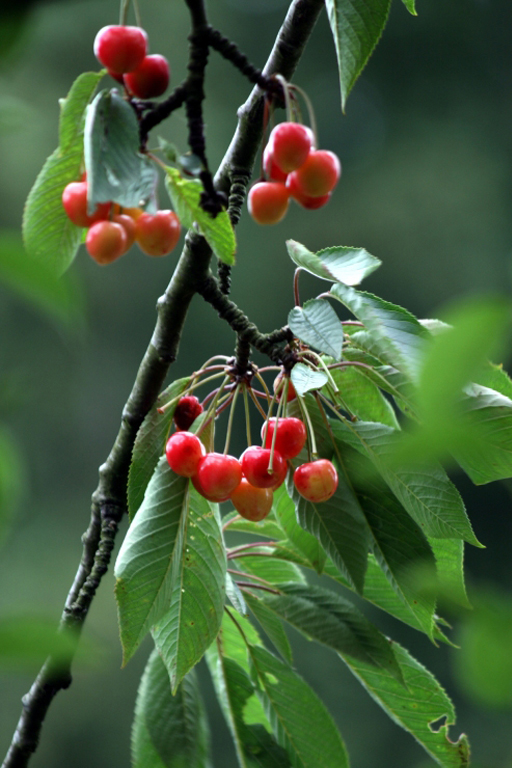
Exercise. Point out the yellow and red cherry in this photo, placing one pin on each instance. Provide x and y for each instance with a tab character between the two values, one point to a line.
150	79
290	145
250	502
217	476
120	48
186	412
290	438
74	200
106	242
157	234
184	450
128	224
255	462
268	202
316	481
318	175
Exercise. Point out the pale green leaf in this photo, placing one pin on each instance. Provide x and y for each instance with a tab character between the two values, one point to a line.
318	325
449	554
218	232
411	6
268	527
305	379
274	566
342	264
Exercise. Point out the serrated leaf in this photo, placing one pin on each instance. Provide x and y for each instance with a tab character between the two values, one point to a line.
494	377
318	325
218	232
360	396
342	264
271	624
449	554
308	545
116	170
304	378
425	703
356	26
197	597
423	489
300	721
236	596
169	731
273	566
150	443
268	527
49	236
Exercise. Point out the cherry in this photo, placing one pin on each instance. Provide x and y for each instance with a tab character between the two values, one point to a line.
217	476
187	410
128	224
311	203
317	480
290	145
184	451
279	387
273	172
157	234
74	200
150	79
255	461
268	202
251	502
291	436
319	174
106	241
119	48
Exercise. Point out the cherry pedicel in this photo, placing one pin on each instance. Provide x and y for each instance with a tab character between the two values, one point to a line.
150	79
119	48
255	462
279	385
268	202
186	412
291	436
250	502
316	481
184	450
217	476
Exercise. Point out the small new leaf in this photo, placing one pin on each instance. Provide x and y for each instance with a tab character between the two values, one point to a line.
340	263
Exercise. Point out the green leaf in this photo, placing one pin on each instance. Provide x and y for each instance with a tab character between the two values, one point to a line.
425	704
356	26
423	489
449	554
342	264
411	6
494	377
317	324
116	170
169	731
197	597
274	567
236	596
326	617
308	545
150	443
58	298
49	236
300	721
360	396
268	527
11	481
304	378
218	232
271	624
399	338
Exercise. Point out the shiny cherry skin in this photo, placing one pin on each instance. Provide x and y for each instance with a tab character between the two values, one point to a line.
316	481
305	201
278	387
272	171
255	461
290	144
157	234
319	174
186	412
74	200
218	474
184	450
106	242
150	79
268	202
250	502
291	436
120	48
128	224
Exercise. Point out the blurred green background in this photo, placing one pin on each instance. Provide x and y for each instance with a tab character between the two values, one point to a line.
426	149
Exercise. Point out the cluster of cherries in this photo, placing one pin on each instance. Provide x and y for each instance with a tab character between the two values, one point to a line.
296	169
248	482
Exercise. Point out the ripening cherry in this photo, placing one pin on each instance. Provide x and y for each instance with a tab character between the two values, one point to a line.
311	203
157	234
250	502
186	412
290	145
272	171
268	202
74	200
291	436
184	450
120	48
255	461
150	79
106	242
319	174
316	481
128	224
218	475
278	387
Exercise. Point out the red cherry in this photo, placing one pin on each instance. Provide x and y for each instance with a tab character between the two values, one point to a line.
311	203
273	172
319	174
268	202
128	224
150	79
251	502
279	387
184	450
290	145
217	476
255	461
291	436
74	200
121	49
157	234
106	242
317	480
187	410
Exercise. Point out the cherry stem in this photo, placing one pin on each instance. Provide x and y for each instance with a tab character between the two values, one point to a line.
329	429
248	576
236	518
311	111
233	553
245	585
213	406
264	385
258	406
304	358
137	13
351	322
230	419
237	625
296	286
168	405
287	100
123	12
274	436
247	416
311	431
